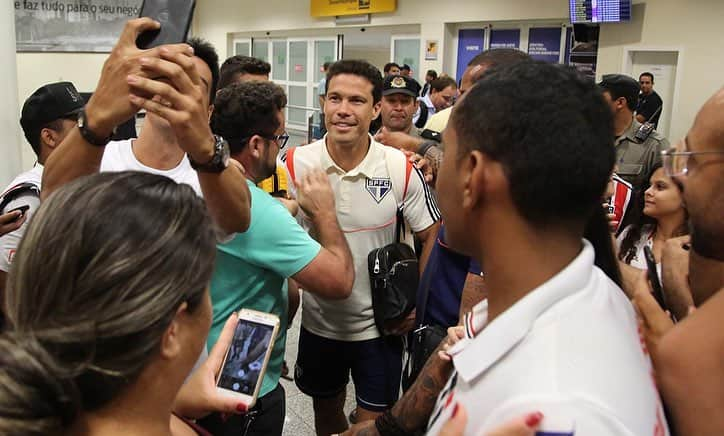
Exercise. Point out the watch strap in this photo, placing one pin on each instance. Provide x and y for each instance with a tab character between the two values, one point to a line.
88	135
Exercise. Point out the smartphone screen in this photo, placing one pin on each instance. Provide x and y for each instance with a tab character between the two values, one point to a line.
245	360
175	18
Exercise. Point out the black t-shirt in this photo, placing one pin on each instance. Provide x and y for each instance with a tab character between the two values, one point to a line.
648	104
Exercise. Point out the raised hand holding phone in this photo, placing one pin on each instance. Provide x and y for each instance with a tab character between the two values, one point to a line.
247	357
199	397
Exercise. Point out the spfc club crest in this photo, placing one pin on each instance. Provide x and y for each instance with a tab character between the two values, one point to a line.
378	187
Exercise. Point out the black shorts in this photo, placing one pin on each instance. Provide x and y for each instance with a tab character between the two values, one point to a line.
323	368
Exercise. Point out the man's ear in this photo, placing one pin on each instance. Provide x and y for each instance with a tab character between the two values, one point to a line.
256	146
49	137
171	341
483	181
376	110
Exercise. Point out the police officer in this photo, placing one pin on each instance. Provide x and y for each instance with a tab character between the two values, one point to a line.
398	108
638	146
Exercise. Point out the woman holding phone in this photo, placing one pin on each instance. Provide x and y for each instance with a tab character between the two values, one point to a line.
662	215
107	311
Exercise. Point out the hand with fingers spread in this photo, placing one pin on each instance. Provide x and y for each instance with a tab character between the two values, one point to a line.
315	195
110	106
11	221
177	95
198	396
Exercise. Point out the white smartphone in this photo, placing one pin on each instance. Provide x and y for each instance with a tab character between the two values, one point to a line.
246	359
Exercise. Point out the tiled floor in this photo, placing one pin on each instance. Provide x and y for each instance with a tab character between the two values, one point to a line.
300	414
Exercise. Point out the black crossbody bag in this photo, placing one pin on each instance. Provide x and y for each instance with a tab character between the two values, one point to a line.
394	277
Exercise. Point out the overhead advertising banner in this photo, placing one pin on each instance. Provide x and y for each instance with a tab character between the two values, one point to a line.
332	8
544	44
71	25
505	38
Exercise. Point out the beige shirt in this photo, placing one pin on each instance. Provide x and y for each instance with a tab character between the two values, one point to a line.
366	202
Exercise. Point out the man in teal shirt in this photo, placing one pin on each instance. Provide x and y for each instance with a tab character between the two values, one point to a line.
252	268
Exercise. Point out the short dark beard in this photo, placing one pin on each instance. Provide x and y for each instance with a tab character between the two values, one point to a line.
706	243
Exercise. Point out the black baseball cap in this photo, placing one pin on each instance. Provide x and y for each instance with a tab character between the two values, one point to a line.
398	84
620	85
49	103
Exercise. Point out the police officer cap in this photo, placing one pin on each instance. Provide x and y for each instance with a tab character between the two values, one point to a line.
620	85
400	85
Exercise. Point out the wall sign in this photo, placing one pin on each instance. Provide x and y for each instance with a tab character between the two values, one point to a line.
544	44
505	38
331	8
71	25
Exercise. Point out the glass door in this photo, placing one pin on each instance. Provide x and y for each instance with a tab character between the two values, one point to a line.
405	49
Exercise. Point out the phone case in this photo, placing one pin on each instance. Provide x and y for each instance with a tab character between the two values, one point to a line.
175	18
258	318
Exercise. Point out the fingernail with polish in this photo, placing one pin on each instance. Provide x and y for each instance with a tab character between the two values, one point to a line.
533	419
456	408
241	407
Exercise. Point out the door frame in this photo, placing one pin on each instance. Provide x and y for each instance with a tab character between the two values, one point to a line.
627	68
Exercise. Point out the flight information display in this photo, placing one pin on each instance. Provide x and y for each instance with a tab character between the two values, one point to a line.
600	11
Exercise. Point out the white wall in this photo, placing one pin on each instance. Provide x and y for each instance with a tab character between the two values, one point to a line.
694	28
38	69
10	163
376	57
217	19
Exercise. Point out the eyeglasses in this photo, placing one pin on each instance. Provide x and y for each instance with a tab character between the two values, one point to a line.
676	163
280	139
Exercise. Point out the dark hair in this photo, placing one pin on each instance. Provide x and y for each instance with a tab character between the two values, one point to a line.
631	95
499	56
388	66
432	73
598	234
207	53
405	67
246	109
33	135
637	222
647	74
239	64
327	65
358	68
550	129
443	82
99	276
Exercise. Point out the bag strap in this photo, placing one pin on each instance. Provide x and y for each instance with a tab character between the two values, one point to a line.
400	194
290	164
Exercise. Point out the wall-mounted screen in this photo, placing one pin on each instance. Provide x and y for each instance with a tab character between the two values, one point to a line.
600	11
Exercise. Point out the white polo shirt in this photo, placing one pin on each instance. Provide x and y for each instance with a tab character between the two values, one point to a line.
366	199
570	349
